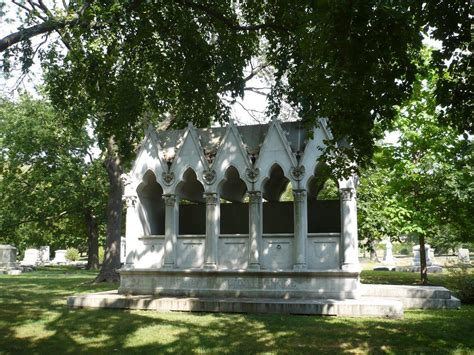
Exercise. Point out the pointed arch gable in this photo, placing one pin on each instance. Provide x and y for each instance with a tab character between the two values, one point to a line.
314	149
148	159
231	152
275	150
189	155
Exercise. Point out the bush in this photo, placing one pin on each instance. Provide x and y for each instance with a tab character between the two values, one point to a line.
72	254
462	283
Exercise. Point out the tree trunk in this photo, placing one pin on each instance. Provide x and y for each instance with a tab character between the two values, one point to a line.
92	240
423	268
108	271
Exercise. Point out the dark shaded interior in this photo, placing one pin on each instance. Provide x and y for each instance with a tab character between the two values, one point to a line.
152	211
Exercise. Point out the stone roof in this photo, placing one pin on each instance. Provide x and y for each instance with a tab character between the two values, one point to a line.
252	137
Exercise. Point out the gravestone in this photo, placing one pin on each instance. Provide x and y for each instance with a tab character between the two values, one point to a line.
8	256
428	252
31	258
60	257
388	263
8	264
463	255
388	254
44	254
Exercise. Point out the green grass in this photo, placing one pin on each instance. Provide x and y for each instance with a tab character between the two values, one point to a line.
34	319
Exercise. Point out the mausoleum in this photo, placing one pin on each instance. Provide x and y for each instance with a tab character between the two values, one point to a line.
205	217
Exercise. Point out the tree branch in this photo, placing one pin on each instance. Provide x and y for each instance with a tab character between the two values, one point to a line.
33	31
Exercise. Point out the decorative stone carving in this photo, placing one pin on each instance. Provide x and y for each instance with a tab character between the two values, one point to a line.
209	176
211	198
298	172
126	179
170	200
130	201
168	177
252	174
299	195
347	194
255	196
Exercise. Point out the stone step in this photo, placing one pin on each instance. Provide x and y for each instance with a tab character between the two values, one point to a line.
366	307
413	296
402	291
430	303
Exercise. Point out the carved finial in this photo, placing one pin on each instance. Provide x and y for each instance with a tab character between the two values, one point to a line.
190	124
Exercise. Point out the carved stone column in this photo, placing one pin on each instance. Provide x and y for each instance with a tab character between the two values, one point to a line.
131	228
213	221
349	241
171	230
300	228
255	229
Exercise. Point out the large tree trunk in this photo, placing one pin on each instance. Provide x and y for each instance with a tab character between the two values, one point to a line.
108	271
92	240
423	268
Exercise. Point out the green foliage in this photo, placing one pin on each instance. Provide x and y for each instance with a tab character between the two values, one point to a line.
330	191
101	254
47	178
463	283
129	63
72	254
424	184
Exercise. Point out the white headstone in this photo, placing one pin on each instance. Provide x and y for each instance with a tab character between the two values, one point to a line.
44	254
388	255
463	255
60	257
31	257
428	252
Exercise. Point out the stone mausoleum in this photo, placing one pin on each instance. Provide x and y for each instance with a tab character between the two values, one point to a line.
205	217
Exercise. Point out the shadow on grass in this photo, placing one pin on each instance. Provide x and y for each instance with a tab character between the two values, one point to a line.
35	319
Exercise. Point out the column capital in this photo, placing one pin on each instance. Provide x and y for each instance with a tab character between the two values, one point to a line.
347	193
255	196
299	195
212	198
170	199
130	201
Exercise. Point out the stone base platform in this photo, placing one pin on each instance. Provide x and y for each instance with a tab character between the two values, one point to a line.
367	307
254	284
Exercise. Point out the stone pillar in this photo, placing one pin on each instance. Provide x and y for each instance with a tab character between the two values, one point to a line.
213	220
349	241
131	229
300	211
255	229
171	230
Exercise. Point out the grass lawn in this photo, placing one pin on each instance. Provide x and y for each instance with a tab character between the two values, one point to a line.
34	319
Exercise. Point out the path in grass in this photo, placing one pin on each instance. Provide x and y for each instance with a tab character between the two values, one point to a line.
34	319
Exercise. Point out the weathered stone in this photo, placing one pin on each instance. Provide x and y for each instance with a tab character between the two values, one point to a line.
31	258
44	254
463	255
60	257
8	263
428	252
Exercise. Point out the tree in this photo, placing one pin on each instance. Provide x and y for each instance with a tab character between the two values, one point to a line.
423	185
129	63
50	194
